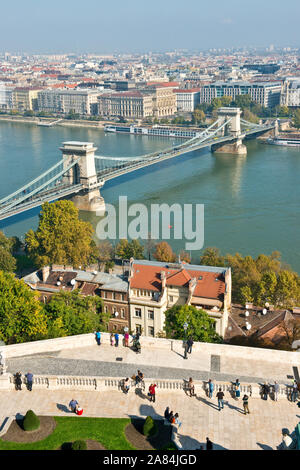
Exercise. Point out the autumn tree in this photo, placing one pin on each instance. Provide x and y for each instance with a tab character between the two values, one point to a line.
163	252
21	314
184	256
61	237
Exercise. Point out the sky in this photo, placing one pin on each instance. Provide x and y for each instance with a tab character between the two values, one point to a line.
112	26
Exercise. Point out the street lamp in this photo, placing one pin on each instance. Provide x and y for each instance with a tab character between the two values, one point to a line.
185	327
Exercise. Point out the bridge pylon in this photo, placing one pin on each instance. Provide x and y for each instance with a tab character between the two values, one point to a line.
232	128
83	172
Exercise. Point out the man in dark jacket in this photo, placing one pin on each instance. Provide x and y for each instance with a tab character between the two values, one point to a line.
189	343
18	380
265	390
29	378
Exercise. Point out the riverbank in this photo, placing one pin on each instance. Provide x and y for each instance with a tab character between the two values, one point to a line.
62	123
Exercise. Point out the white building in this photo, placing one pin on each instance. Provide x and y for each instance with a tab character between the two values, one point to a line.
187	99
6	97
290	95
83	102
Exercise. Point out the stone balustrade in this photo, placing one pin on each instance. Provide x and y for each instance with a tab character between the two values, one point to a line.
102	384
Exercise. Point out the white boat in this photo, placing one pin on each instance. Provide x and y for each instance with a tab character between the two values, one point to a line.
284	142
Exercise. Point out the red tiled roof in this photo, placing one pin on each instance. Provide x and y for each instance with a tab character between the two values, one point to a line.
186	90
148	277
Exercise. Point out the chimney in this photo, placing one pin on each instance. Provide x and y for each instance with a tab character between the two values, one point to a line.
45	273
163	279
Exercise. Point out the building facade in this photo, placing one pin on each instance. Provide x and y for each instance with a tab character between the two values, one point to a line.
187	99
25	99
82	102
131	104
290	95
154	287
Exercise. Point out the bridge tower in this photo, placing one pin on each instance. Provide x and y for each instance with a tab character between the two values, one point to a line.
232	128
84	172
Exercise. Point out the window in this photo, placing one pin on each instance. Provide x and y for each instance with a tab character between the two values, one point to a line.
122	313
151	314
114	296
138	313
104	294
171	298
105	309
138	329
150	331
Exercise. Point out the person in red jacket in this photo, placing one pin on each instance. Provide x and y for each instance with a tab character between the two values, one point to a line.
79	410
152	392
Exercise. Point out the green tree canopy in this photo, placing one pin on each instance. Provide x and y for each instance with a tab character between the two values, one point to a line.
7	260
200	325
61	237
21	314
127	250
296	120
70	313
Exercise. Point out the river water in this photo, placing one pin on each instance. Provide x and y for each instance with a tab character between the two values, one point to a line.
251	203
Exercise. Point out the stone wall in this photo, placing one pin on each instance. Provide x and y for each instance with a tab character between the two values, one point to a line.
86	340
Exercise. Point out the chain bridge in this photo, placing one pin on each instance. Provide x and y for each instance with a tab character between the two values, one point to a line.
80	173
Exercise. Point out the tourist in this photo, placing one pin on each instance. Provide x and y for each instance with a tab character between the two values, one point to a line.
177	422
98	337
73	405
126	385
18	381
294	391
237	388
79	410
117	339
151	393
286	441
209	444
112	339
191	387
190	343
139	378
126	339
167	413
220	396
276	391
245	404
211	388
172	418
265	391
29	378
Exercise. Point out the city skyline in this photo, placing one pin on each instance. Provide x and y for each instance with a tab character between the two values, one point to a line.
136	28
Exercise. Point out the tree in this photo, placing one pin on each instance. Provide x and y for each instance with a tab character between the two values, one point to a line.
198	116
184	256
71	313
296	120
21	314
250	117
243	101
163	252
200	325
212	257
291	330
127	250
7	261
61	237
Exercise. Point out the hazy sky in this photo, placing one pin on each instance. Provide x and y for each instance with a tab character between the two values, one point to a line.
104	26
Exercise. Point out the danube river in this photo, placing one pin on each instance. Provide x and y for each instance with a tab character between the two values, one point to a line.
252	203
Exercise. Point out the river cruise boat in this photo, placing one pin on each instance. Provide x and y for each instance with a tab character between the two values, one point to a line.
288	142
155	131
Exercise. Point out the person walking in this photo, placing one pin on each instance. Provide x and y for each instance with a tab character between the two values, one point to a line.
245	404
29	379
276	391
73	405
237	387
126	339
211	388
189	343
117	339
209	444
191	387
98	337
112	339
220	396
265	391
18	381
152	392
167	413
126	385
139	378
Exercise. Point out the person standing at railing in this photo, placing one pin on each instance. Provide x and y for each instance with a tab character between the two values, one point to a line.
29	378
18	381
112	339
98	337
152	392
294	391
237	388
211	388
265	391
117	339
245	404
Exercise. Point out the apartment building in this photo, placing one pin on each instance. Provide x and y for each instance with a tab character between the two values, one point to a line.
131	104
290	95
154	287
6	97
266	94
164	99
83	102
25	99
111	288
187	99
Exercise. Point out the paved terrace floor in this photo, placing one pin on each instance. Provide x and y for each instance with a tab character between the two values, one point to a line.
228	429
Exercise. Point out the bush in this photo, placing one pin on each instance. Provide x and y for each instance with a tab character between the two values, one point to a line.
150	427
31	422
79	445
